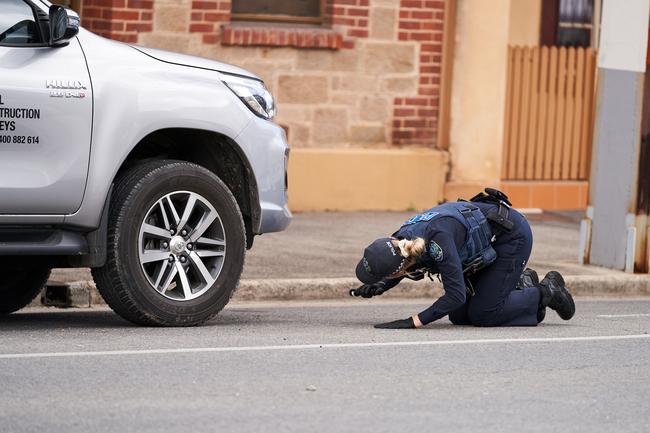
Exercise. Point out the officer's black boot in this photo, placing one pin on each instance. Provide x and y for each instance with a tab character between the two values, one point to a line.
555	295
529	278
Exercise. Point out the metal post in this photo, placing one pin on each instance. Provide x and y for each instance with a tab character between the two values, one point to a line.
613	235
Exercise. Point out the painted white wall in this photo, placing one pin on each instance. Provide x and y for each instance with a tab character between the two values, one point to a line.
624	35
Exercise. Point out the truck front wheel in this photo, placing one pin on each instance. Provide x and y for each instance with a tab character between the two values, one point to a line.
176	245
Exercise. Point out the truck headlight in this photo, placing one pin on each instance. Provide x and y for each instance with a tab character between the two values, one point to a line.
253	93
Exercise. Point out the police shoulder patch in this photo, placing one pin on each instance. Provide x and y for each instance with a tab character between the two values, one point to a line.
435	251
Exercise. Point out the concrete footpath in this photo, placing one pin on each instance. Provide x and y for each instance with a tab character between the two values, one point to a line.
316	256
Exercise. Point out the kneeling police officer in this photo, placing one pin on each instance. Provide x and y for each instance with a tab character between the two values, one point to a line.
480	249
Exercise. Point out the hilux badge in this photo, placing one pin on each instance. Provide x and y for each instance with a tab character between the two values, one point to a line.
66	88
64	84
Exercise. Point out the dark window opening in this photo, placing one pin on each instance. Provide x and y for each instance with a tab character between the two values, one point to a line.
575	23
567	23
288	11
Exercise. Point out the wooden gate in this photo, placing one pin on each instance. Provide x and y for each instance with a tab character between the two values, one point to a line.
549	113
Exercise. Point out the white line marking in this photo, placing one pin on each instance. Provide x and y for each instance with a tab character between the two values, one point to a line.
623	315
321	346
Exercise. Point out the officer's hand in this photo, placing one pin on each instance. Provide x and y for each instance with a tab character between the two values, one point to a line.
368	290
397	324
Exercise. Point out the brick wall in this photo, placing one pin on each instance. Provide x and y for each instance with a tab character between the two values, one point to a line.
415	119
350	17
368	78
122	20
207	17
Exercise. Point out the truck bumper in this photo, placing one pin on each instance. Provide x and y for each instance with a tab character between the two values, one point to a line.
265	146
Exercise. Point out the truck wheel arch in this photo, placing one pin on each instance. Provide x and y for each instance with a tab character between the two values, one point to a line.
216	152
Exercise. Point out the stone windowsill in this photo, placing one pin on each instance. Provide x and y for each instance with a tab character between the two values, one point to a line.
276	36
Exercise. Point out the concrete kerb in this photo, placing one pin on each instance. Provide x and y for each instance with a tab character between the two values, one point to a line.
85	294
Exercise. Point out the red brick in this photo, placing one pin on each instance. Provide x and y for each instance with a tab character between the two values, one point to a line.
139	27
415	101
124	15
210	38
420	123
100	25
201	28
357	33
422	112
412	4
204	5
429	69
414	36
140	4
128	38
422	15
354	12
216	17
107	3
410	25
91	12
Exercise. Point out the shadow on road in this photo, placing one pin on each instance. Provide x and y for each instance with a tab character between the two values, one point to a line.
25	321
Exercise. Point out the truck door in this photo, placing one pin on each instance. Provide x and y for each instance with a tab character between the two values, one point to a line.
45	117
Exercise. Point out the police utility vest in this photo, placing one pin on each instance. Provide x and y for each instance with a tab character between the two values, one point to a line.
477	252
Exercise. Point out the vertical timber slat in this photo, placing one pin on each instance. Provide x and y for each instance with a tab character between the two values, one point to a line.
525	108
533	115
577	115
567	142
516	111
550	133
558	145
543	115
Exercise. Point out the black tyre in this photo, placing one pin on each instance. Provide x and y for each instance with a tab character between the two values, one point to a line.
20	284
176	245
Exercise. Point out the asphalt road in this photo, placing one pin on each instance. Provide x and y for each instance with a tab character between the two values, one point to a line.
321	367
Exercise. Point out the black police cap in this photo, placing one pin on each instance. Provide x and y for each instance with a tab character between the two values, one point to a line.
380	259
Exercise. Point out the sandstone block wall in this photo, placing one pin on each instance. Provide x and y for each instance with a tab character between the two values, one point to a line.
368	78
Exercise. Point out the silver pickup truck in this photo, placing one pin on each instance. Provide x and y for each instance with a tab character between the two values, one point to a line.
154	169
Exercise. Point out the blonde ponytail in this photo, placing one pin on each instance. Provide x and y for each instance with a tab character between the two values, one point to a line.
411	248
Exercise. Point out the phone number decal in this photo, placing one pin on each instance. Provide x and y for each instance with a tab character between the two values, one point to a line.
19	139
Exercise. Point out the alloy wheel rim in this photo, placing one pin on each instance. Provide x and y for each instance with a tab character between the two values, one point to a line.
182	245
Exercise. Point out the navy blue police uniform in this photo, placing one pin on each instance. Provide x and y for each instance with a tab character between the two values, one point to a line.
453	240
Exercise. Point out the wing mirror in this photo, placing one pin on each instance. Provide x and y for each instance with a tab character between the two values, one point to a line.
64	25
